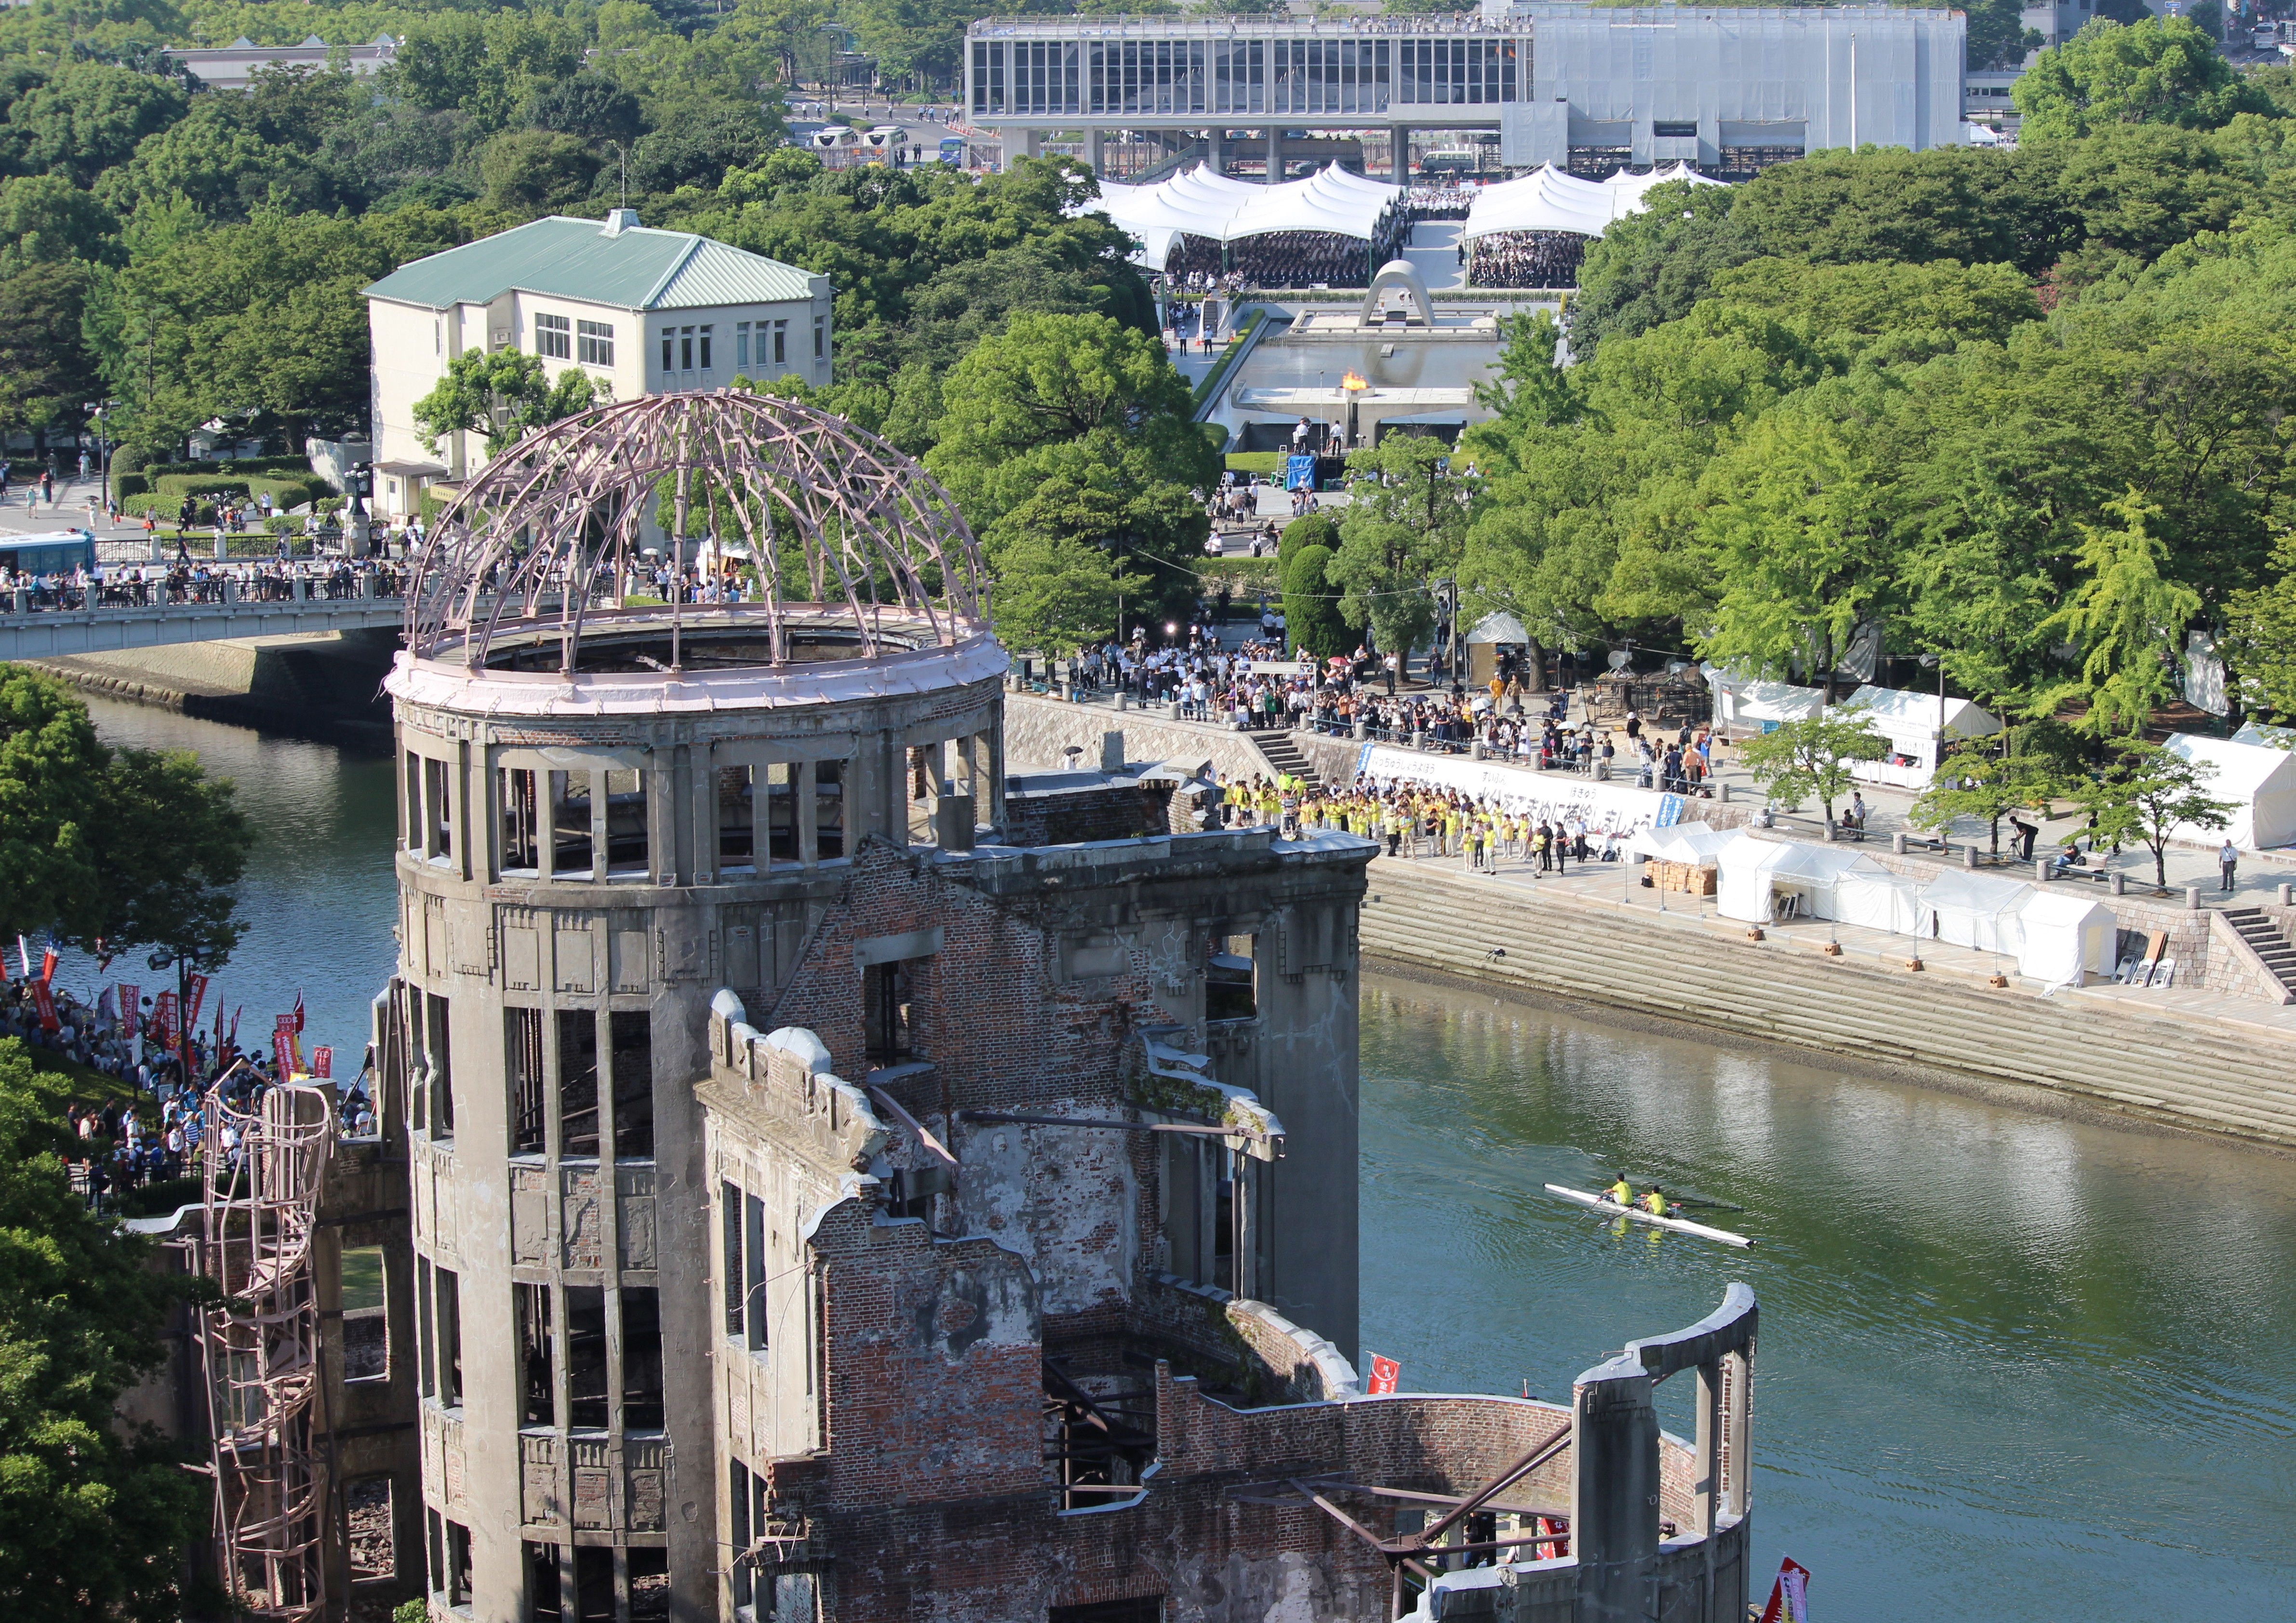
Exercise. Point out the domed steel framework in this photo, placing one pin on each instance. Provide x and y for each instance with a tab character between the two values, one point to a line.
549	533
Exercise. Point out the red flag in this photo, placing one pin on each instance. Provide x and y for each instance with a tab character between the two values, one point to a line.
163	1017
285	1056
131	1010
44	1001
48	966
1789	1594
1384	1373
299	1009
323	1063
197	991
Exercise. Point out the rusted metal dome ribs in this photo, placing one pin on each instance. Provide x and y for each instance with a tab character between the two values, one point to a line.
552	534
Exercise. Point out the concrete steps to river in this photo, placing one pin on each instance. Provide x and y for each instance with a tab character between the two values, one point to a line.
2211	1075
2265	937
1281	748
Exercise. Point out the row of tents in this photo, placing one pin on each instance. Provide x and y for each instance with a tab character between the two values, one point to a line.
1549	199
2056	936
1199	202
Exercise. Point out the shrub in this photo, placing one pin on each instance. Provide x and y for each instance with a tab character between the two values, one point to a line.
127	484
1264	463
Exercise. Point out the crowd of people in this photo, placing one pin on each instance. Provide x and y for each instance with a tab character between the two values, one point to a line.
1413	820
1282	258
1524	258
191	580
150	1129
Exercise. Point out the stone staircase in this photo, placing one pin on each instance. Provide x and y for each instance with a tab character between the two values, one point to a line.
1281	746
2200	1071
2262	934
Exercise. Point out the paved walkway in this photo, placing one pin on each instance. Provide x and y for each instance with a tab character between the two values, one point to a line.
1433	251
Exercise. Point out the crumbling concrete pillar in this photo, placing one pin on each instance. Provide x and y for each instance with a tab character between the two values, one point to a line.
1614	1491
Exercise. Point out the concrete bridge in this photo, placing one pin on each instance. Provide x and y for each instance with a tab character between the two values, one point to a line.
37	634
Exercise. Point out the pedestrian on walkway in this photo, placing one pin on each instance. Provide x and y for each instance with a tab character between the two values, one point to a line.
2228	860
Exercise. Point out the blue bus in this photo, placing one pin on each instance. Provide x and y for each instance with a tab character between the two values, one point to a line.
56	552
952	150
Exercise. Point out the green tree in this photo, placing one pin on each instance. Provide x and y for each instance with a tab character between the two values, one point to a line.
1979	302
171	846
86	118
218	159
1800	528
2262	634
1405	524
2126	620
94	1516
507	392
1312	619
1653	266
45	219
2159	70
2144	795
1054	594
1977	780
52	786
1813	756
536	170
45	363
1530	389
588	106
1998	38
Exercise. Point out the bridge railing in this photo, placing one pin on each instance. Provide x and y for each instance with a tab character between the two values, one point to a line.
189	589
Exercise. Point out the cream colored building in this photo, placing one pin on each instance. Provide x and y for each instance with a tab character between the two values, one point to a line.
642	311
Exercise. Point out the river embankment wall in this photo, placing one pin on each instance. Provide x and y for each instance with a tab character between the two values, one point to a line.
327	685
2181	1067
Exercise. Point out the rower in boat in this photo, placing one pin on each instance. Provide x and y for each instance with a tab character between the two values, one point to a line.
1622	1192
1653	1201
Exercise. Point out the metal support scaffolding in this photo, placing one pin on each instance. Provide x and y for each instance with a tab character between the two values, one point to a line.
260	1349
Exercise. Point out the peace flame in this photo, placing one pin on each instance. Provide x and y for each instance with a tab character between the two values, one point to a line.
1351	381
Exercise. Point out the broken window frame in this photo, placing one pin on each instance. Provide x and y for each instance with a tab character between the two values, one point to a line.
577	1036
589	1379
640	1406
630	1068
590	814
535	1336
528	1075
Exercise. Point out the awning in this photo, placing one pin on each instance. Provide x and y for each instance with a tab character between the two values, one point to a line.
1201	204
1549	199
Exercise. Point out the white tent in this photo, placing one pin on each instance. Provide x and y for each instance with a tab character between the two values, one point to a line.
1749	703
1549	199
1914	723
2258	783
2065	934
1753	871
2263	733
1878	900
1201	204
1974	910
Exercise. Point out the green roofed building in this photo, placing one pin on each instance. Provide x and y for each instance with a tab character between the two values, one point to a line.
642	311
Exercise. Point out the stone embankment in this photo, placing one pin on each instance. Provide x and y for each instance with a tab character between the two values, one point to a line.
327	685
2168	1065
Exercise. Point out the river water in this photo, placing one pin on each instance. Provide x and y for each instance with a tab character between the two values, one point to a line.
2012	1368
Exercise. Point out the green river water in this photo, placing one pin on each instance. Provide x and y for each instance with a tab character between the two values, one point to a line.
2012	1368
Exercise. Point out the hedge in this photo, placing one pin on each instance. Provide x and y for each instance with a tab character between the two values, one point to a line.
242	464
1255	461
127	484
286	491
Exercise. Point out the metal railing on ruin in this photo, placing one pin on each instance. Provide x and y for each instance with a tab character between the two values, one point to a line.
259	1347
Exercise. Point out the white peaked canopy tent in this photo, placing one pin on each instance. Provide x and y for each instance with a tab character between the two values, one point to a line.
2258	782
1198	202
1974	910
1751	703
1917	726
1549	199
1753	871
2065	935
1878	900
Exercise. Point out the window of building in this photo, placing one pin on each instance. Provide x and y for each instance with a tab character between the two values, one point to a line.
1686	131
669	348
571	853
626	847
537	1395
577	1082
529	1088
586	1357
729	1253
595	342
757	1317
542	1601
410	826
439	827
741	344
367	1317
554	337
521	850
820	337
685	349
436	1051
426	1364
737	1499
828	809
1229	989
705	348
1142	1608
373	1533
594	1584
888	993
781	343
458	1565
648	1572
449	1314
631	1034
641	1358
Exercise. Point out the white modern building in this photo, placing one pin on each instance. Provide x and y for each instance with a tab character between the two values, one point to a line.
1582	87
234	67
642	311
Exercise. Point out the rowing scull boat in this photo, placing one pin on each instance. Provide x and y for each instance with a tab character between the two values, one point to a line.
1680	1225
